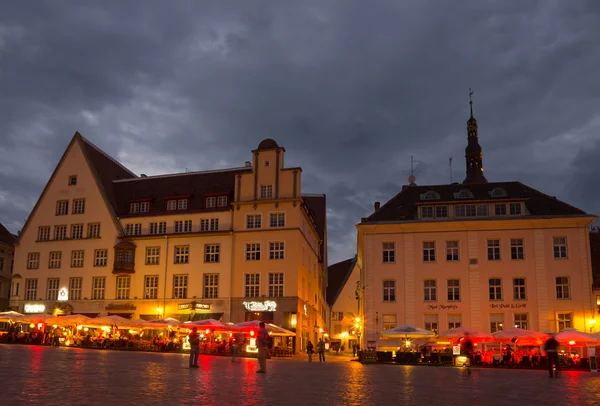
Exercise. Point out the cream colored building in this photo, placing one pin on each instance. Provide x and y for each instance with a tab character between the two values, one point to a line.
7	241
481	255
344	278
232	244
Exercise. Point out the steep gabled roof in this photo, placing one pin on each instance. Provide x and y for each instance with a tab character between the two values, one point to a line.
6	236
338	276
404	206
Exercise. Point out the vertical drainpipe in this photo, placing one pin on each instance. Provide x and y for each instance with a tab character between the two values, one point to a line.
165	282
232	273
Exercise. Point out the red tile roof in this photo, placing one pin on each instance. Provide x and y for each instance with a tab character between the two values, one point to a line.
6	236
403	206
338	276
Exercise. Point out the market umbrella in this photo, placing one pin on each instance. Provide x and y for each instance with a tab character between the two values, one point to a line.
459	332
168	322
407	331
119	321
68	320
9	316
521	336
253	325
569	335
33	318
207	323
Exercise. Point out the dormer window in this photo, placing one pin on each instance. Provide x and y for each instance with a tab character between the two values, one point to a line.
498	192
211	202
72	180
172	204
144	207
182	204
134	207
463	194
431	195
222	201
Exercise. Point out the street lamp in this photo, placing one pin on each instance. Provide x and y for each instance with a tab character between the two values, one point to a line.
592	323
159	311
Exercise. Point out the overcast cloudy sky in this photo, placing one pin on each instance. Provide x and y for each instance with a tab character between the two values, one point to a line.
350	88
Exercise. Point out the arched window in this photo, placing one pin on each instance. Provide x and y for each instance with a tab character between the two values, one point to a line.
431	195
498	192
464	194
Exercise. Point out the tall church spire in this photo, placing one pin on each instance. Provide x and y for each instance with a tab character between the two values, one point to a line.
473	152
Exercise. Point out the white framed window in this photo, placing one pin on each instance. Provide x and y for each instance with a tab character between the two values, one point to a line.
453	290
427	212
266	191
222	201
496	322
389	290
144	207
515	209
500	209
134	207
33	261
276	284
133	229
15	288
100	257
171	204
77	258
454	321
211	201
253	251
522	321
44	233
75	285
560	247
564	320
441	211
252	285
76	231
452	251
62	207
93	230
209	224
389	252
151	287
211	285
471	210
52	288
493	250
276	250
183	226
430	290
182	204
388	321
276	220
54	259
60	232
495	288
98	287
182	254
519	289
253	221
158	227
31	289
432	322
123	287
78	206
517	249
563	291
212	253
428	251
152	255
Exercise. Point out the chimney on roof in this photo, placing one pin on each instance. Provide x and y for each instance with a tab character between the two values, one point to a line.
248	164
377	205
143	175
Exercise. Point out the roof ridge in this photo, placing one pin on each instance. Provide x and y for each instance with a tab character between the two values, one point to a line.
98	149
240	168
349	270
552	197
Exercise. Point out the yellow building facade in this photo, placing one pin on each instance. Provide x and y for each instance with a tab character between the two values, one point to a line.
234	244
481	255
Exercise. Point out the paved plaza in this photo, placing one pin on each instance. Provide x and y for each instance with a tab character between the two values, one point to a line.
72	376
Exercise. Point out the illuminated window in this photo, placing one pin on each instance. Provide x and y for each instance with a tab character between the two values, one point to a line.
521	321
432	322
496	322
388	321
454	321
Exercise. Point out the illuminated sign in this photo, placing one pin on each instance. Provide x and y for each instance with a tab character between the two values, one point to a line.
63	295
193	305
305	310
266	306
34	308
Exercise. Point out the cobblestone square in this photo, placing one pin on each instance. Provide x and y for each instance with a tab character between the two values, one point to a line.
72	376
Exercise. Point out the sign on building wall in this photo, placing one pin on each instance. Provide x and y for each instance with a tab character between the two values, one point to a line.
193	305
34	308
63	295
266	306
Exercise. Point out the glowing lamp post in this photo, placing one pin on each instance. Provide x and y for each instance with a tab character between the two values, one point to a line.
592	323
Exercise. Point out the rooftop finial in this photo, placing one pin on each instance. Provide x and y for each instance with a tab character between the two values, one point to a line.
471	101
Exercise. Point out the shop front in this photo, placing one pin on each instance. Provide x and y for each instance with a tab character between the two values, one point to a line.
192	311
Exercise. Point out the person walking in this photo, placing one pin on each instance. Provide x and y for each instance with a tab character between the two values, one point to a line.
321	350
551	348
194	348
467	351
262	342
310	350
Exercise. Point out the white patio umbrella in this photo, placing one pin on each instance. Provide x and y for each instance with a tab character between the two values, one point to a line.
475	336
207	323
571	335
521	336
407	331
9	315
109	321
68	320
253	325
33	318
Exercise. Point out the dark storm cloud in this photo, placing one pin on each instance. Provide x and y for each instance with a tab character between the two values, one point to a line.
350	88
